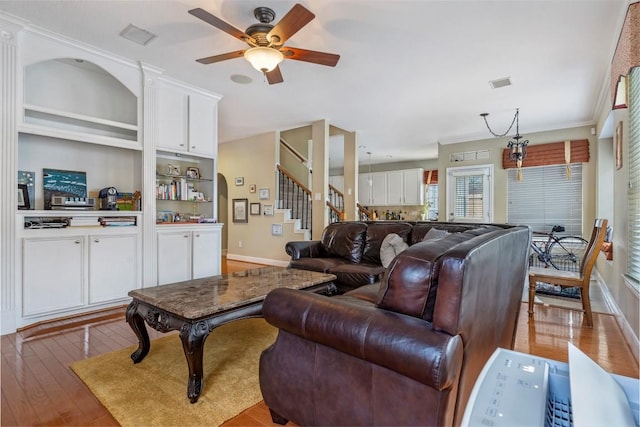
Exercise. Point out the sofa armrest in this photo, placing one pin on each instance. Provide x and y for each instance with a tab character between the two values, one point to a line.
304	249
392	340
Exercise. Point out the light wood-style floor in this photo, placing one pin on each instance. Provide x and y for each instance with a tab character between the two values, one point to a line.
38	388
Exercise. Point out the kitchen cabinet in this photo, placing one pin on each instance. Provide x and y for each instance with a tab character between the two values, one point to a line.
391	188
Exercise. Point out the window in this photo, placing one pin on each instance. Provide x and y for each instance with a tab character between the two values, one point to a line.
633	262
545	197
469	194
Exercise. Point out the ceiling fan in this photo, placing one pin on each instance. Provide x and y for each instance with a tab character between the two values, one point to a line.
266	41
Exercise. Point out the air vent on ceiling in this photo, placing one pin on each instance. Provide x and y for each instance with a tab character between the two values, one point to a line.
137	34
506	81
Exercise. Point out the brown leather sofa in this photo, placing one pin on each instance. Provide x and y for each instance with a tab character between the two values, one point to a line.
406	351
351	249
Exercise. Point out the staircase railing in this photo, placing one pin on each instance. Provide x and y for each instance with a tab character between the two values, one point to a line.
336	203
295	196
364	214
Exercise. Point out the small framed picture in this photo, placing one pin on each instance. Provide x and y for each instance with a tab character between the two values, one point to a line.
193	173
23	197
267	210
173	170
239	180
254	208
252	188
240	210
264	194
276	229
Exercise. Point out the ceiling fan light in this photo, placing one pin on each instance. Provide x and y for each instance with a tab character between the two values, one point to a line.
263	59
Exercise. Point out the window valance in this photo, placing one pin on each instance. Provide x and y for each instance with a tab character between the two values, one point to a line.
554	153
430	177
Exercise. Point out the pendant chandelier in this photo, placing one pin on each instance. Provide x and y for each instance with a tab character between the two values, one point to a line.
517	148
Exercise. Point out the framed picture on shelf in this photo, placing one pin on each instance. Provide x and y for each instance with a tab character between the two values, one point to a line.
264	194
267	210
173	170
193	173
254	209
23	197
240	207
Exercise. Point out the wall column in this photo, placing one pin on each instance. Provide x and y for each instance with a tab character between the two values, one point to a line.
320	188
350	176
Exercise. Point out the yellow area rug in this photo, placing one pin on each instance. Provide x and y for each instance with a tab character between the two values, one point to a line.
154	392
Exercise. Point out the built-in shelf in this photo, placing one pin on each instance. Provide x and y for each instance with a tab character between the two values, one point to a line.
46	121
158	175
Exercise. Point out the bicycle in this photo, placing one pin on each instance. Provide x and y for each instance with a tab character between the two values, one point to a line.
561	253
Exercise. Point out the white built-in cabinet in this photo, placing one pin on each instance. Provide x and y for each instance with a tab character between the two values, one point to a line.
187	120
82	109
391	188
188	252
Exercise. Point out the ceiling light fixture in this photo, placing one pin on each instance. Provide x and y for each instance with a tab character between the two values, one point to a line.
263	59
517	148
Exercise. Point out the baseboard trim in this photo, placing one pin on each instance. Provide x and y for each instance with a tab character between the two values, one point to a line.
66	322
255	260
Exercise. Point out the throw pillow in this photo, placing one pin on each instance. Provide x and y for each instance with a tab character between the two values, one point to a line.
434	234
391	246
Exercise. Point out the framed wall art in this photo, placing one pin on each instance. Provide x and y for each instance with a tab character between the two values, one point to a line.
240	210
239	181
263	194
276	229
254	208
252	188
267	210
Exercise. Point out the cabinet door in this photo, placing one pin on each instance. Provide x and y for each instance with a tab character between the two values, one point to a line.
364	189
171	120
52	274
203	113
395	188
206	253
174	257
113	267
413	187
379	189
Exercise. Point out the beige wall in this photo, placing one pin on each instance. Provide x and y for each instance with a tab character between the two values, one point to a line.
254	159
613	204
495	147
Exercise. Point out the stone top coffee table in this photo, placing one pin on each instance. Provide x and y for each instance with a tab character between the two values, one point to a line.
196	307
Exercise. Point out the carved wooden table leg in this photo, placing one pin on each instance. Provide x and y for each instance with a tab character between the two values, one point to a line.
136	321
192	336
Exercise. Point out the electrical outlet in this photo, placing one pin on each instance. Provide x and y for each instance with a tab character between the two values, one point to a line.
239	243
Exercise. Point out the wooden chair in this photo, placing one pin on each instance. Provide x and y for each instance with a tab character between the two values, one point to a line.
578	279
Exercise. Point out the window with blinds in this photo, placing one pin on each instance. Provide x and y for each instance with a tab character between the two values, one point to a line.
469	196
633	263
546	197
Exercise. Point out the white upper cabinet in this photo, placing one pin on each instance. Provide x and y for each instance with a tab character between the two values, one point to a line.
413	187
392	188
187	121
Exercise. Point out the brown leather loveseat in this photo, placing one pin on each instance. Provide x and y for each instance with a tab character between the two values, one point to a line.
406	351
351	249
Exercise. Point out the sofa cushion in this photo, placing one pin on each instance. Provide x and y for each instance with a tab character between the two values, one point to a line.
411	281
420	229
376	232
323	265
344	240
435	233
391	246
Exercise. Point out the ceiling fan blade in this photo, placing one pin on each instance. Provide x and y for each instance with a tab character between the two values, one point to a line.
322	58
274	76
221	57
220	24
296	18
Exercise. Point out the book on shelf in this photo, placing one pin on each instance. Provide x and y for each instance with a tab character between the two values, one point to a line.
84	221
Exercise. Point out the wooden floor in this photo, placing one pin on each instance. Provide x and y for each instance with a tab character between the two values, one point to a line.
38	388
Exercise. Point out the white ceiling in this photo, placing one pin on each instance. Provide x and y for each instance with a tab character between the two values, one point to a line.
411	74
